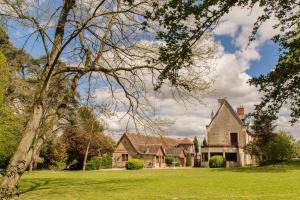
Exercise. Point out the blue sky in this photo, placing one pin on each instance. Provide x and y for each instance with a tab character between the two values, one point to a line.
269	52
235	66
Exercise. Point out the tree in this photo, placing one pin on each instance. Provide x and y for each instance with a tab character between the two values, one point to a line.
196	145
188	160
77	141
90	125
280	147
282	85
10	124
71	29
54	153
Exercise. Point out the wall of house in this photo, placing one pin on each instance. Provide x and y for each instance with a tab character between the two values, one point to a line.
124	147
218	133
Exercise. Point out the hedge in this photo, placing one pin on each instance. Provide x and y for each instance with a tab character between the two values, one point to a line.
217	161
134	164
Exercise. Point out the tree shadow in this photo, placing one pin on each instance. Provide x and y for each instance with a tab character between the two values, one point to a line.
106	185
274	168
35	186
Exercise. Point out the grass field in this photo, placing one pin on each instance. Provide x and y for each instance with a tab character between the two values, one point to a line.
276	182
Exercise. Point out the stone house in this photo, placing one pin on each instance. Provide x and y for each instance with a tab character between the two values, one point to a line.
227	134
152	149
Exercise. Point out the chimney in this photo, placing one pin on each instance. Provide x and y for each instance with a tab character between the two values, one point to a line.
240	111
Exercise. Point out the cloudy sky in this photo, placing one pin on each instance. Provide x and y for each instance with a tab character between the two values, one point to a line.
236	63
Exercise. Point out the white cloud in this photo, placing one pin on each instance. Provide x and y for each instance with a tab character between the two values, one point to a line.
231	81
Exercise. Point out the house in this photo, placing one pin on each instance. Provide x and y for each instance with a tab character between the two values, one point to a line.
227	134
152	149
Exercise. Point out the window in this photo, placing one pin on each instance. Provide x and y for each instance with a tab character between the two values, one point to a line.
231	157
124	157
216	154
204	157
234	139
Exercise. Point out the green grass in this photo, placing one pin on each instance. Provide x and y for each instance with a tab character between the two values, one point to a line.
272	182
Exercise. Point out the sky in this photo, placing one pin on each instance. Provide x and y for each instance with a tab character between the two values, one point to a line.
236	63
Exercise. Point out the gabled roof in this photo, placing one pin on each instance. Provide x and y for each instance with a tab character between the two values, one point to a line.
145	144
232	111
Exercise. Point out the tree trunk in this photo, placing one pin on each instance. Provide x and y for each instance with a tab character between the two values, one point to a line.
86	155
21	159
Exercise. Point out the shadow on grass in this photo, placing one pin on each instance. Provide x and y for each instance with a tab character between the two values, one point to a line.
275	168
35	186
58	184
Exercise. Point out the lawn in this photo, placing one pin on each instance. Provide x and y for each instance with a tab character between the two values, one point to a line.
276	182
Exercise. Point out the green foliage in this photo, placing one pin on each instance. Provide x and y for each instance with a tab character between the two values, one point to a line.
11	124
134	164
188	162
54	153
297	148
179	36
196	145
170	161
99	162
280	147
77	140
217	161
93	164
4	76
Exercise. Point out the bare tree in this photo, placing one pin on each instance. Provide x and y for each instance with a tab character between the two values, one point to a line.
102	40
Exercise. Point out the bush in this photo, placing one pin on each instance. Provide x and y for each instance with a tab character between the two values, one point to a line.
217	162
280	147
134	164
93	164
188	162
106	162
170	161
97	162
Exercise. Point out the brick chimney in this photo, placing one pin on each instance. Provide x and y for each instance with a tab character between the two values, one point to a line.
240	111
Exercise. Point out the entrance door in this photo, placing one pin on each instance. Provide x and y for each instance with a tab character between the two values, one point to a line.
181	160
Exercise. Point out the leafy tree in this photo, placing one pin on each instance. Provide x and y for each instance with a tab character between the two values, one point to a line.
101	50
90	126
10	124
282	85
54	153
196	145
110	52
188	160
297	148
77	141
280	147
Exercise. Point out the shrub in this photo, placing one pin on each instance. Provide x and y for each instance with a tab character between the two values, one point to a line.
170	161
217	162
97	162
106	162
280	147
188	162
93	164
134	164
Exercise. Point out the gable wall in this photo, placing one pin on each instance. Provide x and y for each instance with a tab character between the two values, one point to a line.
218	133
124	147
